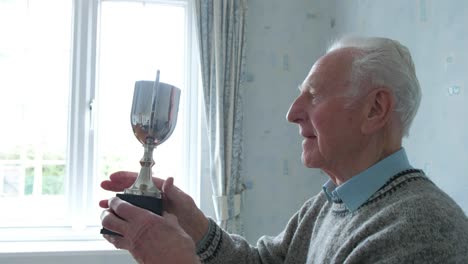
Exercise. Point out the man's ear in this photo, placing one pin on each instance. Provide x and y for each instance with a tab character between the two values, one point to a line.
378	111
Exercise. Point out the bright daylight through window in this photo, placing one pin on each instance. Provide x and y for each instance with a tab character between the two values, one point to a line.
66	90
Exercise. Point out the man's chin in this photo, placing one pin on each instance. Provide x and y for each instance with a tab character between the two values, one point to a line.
310	163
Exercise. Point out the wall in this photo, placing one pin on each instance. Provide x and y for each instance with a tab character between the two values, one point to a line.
284	38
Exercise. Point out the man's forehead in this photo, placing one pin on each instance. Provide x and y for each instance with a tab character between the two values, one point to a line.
340	59
318	65
314	79
329	70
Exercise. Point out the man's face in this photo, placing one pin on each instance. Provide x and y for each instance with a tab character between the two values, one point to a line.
331	130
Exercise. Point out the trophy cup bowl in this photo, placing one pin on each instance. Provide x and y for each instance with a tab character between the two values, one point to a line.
153	118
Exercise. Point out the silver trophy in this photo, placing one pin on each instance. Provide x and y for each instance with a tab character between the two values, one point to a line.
153	118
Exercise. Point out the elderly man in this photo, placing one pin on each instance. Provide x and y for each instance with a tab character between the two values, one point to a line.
354	107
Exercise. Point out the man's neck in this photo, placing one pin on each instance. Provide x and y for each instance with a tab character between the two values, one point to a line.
359	162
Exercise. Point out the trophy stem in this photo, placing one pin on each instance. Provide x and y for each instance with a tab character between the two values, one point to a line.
144	184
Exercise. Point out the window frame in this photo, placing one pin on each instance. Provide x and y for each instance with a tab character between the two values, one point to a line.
82	136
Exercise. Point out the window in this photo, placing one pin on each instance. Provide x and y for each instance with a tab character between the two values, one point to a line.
68	73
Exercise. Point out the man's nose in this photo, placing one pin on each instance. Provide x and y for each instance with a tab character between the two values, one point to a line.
295	113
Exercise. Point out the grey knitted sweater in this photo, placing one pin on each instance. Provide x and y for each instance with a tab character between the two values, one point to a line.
409	220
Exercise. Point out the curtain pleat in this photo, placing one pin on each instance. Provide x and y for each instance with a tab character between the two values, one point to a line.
221	35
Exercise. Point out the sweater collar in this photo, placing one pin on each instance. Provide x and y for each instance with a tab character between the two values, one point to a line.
359	188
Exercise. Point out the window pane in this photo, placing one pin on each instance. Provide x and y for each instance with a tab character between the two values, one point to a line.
34	89
137	39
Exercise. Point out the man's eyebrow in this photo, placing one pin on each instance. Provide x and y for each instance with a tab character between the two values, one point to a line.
303	86
306	87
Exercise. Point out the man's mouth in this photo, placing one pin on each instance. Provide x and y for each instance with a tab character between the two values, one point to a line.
308	135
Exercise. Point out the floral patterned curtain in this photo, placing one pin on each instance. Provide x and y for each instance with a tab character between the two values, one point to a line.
221	35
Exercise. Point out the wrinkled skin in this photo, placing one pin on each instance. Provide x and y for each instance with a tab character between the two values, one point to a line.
342	135
151	238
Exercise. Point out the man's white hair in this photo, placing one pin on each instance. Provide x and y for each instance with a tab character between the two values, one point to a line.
384	62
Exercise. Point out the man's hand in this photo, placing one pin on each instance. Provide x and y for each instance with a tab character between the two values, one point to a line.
176	202
150	238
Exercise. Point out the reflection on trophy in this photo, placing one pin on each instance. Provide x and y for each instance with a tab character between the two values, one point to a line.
153	118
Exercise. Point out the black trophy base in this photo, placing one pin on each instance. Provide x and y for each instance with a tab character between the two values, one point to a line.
150	203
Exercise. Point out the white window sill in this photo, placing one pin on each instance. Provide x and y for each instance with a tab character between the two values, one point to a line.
58	245
32	247
70	252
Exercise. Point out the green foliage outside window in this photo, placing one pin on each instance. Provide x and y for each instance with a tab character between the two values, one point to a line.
53	175
53	179
28	184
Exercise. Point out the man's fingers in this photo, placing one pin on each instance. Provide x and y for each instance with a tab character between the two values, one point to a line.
124	179
171	218
167	185
118	242
127	211
170	190
112	186
119	181
173	195
104	203
112	222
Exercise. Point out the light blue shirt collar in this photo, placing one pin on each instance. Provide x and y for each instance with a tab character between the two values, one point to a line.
359	188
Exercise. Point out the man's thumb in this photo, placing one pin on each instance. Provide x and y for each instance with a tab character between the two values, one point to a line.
168	187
